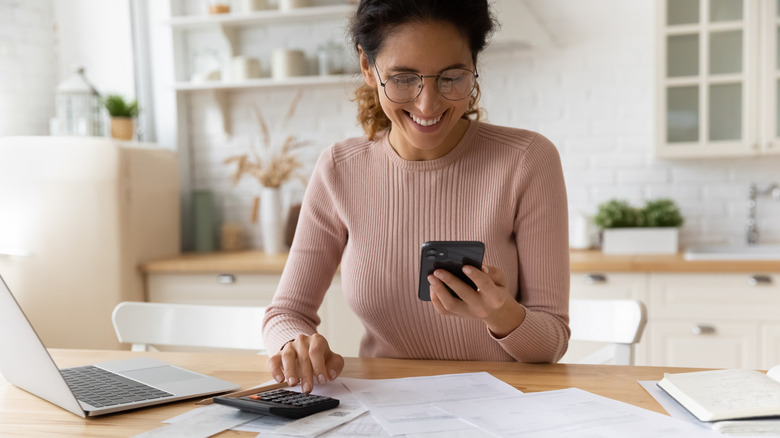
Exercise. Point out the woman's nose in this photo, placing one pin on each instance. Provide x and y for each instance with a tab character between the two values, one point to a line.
428	99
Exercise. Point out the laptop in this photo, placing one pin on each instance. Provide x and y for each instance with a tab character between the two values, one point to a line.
91	390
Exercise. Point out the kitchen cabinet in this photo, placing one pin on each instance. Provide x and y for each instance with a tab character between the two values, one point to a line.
707	345
717	72
339	324
716	320
694	319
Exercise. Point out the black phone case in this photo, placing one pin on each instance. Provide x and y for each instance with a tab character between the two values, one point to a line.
451	256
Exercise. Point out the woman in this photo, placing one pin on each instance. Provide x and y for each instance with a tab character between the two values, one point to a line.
426	171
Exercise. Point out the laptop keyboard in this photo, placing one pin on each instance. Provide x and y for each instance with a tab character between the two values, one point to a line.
101	388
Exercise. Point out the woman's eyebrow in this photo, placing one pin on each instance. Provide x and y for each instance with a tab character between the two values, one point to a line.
404	69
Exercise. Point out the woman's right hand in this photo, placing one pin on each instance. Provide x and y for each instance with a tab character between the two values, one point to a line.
304	360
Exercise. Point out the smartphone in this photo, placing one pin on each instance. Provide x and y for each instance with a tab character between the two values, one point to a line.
450	255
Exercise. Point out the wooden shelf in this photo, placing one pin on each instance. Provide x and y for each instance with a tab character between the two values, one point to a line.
270	16
346	79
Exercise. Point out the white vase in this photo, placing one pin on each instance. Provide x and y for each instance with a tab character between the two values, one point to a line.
271	220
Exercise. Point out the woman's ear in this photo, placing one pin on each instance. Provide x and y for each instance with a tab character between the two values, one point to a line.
366	69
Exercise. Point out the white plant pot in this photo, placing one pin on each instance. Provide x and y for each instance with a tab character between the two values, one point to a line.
271	220
662	240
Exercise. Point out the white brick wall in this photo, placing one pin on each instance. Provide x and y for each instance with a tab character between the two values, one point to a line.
27	67
592	96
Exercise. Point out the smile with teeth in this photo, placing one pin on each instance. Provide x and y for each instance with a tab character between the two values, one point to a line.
424	122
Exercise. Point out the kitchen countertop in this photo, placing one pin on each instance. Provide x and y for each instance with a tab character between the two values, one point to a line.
582	261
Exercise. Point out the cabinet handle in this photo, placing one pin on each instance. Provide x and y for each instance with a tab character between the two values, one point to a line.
756	280
226	278
703	329
596	279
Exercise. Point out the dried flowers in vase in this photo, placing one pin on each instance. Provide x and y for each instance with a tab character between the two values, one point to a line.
270	165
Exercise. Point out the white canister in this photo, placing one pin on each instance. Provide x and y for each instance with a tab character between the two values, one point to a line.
580	232
286	5
287	63
243	68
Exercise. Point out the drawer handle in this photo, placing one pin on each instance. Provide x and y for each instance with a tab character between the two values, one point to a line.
596	279
703	329
226	278
756	280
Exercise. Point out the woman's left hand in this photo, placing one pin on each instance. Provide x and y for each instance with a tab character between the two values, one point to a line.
491	302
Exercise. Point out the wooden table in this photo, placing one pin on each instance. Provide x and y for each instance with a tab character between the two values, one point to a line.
24	414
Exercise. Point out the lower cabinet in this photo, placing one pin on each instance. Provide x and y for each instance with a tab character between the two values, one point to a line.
714	320
339	324
704	345
696	319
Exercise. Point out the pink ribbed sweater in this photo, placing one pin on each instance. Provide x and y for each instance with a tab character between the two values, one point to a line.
369	210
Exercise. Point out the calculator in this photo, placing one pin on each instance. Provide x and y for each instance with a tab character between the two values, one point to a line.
281	402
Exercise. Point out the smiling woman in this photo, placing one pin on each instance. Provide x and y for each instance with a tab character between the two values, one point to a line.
426	170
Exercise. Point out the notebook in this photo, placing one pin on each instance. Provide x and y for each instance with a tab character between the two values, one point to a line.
91	390
726	394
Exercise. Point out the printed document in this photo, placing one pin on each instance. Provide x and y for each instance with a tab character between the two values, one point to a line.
569	413
405	406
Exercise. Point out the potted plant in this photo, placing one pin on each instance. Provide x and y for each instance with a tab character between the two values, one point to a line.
652	229
122	113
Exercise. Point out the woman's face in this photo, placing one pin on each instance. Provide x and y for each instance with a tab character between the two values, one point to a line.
429	126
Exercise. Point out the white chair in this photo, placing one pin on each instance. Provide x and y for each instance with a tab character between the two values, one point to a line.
617	322
146	325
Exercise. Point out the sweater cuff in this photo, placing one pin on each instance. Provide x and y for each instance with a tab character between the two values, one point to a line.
534	340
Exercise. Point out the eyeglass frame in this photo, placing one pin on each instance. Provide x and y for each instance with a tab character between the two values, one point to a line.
422	81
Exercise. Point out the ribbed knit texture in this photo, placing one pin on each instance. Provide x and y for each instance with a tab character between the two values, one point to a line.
370	211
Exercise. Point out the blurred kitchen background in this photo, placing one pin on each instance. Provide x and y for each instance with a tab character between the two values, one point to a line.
582	73
588	74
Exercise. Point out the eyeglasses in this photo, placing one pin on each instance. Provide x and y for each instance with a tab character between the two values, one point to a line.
452	84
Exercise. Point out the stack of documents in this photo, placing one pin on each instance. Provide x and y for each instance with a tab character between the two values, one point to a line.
464	405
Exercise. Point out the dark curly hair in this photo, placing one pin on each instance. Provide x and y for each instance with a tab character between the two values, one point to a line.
375	19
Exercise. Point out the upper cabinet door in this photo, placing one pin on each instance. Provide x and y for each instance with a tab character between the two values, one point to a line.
707	86
771	77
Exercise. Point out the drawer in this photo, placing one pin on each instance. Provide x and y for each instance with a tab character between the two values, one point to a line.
608	286
704	344
723	296
224	289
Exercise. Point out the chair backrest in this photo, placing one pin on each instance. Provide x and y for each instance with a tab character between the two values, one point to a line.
620	323
189	325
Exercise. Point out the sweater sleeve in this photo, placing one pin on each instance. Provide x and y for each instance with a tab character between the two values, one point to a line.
315	254
541	232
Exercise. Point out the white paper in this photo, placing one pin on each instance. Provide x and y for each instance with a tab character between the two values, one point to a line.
366	426
405	406
569	413
202	422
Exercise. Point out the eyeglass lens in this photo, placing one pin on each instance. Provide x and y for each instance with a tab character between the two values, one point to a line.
453	84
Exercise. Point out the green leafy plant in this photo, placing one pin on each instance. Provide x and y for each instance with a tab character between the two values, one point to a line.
620	214
616	214
117	106
661	213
